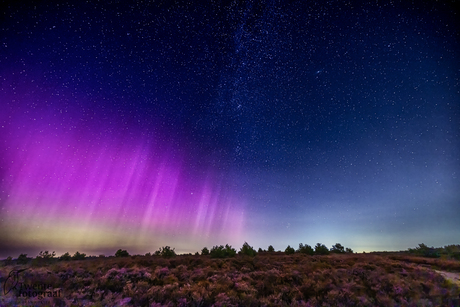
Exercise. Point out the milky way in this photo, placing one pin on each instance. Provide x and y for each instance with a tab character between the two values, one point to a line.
143	125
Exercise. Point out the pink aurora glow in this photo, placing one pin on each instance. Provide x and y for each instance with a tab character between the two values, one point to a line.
70	190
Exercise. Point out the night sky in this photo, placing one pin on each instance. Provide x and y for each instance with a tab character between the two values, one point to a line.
140	124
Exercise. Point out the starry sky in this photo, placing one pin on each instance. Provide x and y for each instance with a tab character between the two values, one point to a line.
140	124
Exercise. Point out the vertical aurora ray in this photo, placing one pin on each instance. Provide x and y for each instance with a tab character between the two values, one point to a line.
68	191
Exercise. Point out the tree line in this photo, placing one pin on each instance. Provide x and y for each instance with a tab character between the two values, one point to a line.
218	251
221	251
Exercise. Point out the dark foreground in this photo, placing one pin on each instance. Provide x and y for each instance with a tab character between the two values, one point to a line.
269	279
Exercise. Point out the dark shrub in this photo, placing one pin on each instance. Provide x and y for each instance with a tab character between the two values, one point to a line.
271	249
338	249
222	252
229	251
9	260
22	259
289	250
166	252
205	251
452	251
121	253
78	256
305	249
425	251
248	250
65	257
321	249
46	255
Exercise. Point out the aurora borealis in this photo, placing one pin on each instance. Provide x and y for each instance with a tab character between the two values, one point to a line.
142	124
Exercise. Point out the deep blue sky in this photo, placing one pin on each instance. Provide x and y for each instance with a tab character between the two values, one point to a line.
270	122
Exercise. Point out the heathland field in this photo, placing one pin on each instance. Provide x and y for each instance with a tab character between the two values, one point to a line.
267	279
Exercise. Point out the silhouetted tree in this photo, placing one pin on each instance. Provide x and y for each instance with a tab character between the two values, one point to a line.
289	250
121	253
271	249
166	252
205	251
452	251
46	255
65	257
425	251
230	251
305	249
222	252
337	249
78	256
22	259
248	250
321	249
348	250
